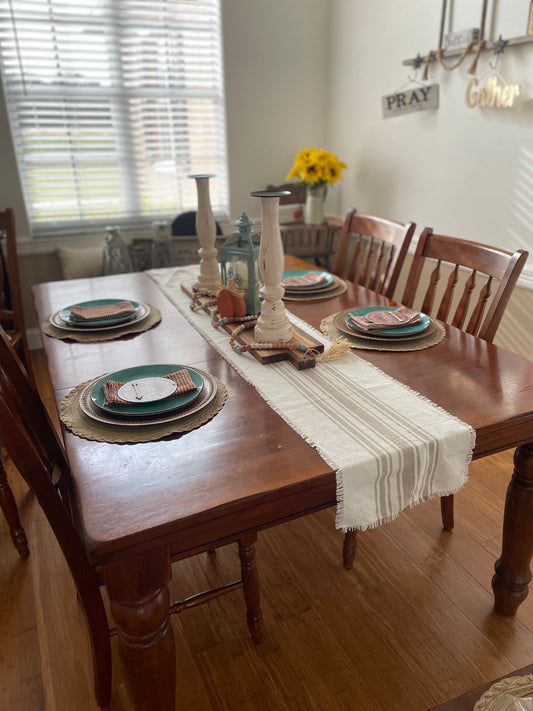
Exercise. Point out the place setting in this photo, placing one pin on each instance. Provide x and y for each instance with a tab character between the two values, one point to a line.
305	285
101	320
142	403
384	328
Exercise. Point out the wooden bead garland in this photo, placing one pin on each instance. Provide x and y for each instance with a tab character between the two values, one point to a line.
337	350
196	305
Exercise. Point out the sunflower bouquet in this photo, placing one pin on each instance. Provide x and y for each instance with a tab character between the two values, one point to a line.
315	166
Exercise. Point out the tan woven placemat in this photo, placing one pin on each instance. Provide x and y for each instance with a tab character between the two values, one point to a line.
337	288
329	328
151	320
515	686
80	424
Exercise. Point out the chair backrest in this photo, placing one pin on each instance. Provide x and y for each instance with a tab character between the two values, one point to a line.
184	225
34	448
372	251
298	193
11	311
479	308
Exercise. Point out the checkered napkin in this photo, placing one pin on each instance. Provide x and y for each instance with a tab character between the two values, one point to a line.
94	313
309	279
378	320
182	378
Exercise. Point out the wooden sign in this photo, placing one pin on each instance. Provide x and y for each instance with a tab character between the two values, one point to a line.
458	40
418	98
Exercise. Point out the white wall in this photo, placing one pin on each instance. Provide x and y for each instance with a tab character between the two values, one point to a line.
465	172
276	70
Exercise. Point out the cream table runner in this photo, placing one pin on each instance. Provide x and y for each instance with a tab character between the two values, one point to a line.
390	447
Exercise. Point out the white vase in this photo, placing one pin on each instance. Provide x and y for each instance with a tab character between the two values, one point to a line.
314	205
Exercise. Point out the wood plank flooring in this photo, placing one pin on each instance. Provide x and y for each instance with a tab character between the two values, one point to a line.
408	628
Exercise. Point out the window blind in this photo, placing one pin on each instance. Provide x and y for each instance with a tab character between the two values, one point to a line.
112	105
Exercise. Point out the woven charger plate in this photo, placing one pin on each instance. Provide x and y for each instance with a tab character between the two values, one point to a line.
337	288
517	686
340	323
435	333
108	429
86	336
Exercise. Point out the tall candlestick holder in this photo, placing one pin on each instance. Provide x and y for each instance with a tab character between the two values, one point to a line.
273	325
209	275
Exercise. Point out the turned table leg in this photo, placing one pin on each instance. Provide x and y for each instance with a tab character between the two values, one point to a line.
137	587
250	580
513	571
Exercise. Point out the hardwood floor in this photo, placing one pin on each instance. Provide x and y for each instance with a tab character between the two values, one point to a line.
408	628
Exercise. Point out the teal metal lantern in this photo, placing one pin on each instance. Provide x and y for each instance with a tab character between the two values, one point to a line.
238	261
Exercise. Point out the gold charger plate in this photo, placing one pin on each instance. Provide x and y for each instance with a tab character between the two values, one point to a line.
340	323
337	288
518	686
94	413
55	320
329	328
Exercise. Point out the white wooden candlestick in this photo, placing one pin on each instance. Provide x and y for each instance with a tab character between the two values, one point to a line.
209	275
272	326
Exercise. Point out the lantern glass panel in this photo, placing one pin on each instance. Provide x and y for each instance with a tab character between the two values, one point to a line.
238	261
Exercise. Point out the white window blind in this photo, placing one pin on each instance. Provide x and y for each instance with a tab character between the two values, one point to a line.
112	105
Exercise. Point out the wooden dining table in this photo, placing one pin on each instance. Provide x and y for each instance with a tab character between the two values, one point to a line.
247	469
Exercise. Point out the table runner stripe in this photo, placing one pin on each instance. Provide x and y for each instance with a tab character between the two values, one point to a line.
391	448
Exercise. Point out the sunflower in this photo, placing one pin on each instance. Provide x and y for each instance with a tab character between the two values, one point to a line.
314	167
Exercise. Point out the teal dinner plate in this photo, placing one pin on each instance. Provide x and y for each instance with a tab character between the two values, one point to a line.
66	316
402	331
303	272
149	408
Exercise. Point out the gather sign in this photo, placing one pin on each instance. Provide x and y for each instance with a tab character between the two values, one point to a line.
495	94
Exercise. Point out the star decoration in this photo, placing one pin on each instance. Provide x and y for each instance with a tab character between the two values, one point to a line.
499	45
418	61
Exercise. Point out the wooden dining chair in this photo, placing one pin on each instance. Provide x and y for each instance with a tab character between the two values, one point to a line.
12	320
487	276
481	278
11	312
11	514
37	452
372	251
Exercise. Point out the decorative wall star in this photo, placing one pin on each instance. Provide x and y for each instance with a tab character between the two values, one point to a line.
499	45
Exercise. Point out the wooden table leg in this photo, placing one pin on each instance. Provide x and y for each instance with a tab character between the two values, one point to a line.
513	568
137	587
250	580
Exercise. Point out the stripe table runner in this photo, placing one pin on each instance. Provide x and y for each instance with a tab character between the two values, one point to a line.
390	447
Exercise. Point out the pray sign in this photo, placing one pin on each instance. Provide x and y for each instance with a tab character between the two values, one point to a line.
406	102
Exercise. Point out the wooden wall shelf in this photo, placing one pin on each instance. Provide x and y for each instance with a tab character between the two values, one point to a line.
514	41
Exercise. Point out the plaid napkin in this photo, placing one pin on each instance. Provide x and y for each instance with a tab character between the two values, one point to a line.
94	313
182	378
309	279
378	320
